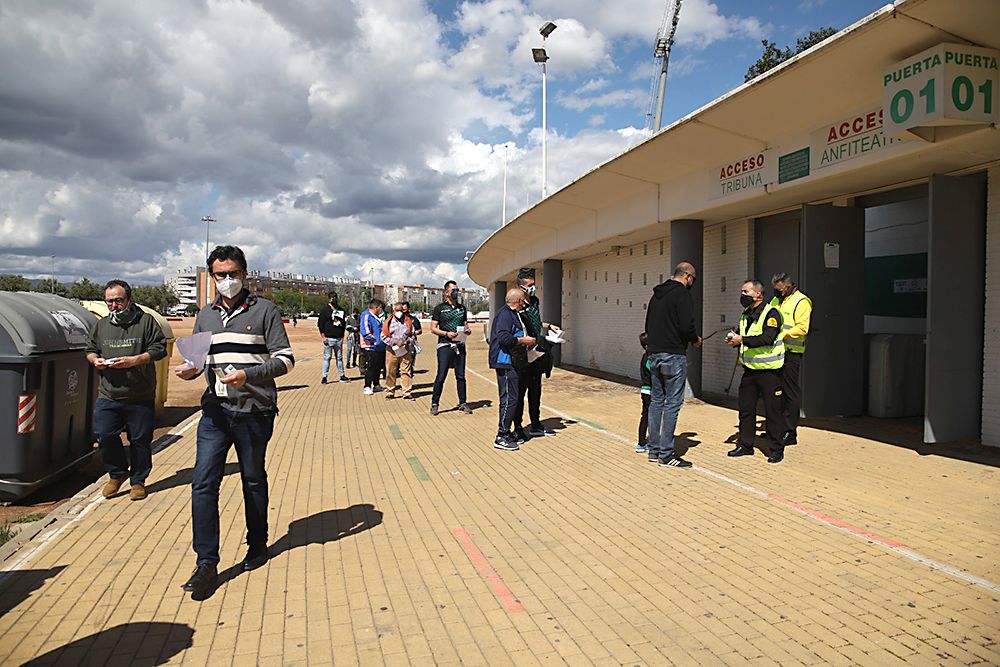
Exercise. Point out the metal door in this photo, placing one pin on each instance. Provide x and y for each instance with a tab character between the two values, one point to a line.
776	247
955	301
832	252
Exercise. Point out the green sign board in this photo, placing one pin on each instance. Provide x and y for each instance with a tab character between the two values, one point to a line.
793	165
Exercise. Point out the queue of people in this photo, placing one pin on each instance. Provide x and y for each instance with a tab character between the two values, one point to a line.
249	348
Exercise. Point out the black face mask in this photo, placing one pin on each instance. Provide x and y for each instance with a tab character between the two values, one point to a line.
746	300
778	294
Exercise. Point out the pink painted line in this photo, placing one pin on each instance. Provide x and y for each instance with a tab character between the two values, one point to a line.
486	571
836	522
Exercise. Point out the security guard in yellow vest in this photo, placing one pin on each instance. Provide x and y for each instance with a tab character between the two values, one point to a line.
796	311
762	355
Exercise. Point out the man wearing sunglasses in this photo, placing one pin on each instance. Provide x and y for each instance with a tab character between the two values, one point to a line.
670	326
123	347
249	350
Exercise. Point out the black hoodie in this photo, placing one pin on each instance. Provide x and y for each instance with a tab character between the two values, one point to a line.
670	319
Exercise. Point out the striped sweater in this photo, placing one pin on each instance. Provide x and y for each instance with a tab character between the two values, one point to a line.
251	338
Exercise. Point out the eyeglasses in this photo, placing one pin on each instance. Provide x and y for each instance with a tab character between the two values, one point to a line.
222	275
694	278
115	302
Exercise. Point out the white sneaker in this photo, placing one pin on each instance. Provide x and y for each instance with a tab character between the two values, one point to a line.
368	391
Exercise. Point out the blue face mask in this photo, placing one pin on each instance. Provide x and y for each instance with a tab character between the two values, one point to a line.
454	294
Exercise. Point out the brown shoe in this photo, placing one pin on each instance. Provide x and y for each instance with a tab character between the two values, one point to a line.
111	488
138	492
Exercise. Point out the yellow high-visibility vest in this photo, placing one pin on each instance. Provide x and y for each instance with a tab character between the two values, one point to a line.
761	358
787	308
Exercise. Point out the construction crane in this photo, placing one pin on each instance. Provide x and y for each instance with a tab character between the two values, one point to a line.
661	56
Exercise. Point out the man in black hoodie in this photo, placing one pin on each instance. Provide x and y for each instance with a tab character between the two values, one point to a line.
670	326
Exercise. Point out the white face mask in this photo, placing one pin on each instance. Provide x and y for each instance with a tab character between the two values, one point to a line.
229	287
399	314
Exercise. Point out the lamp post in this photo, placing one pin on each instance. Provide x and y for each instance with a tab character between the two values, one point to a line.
503	207
52	285
207	219
541	58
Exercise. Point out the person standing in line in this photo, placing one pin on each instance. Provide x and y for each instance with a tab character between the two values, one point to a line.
249	349
796	313
530	377
762	355
448	319
644	392
351	339
417	330
399	338
333	329
509	345
670	326
123	347
372	346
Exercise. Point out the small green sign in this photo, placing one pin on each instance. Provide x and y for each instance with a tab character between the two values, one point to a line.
793	165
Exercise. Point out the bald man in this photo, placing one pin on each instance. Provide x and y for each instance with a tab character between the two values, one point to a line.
670	326
509	345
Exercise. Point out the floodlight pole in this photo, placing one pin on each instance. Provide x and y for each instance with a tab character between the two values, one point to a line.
207	219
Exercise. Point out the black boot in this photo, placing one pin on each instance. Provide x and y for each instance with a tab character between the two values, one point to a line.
202	580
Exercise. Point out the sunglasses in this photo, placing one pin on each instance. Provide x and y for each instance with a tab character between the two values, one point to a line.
222	275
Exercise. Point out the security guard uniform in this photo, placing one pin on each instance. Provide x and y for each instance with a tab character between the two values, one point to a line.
796	312
762	355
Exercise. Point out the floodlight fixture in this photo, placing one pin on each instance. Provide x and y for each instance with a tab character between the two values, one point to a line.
539	55
547	29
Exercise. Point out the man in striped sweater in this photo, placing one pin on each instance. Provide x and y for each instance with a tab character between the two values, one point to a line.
249	349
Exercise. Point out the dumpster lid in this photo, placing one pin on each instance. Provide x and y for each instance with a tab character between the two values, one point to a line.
36	323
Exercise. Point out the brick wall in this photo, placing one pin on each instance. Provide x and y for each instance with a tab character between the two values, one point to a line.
728	258
991	338
604	305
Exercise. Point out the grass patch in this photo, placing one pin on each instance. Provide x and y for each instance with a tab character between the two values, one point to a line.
6	533
28	518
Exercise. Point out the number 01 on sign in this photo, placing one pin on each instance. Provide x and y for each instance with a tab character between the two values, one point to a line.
949	84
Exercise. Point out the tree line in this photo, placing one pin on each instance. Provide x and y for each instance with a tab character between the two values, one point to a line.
157	297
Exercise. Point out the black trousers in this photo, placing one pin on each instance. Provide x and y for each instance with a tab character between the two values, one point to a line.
644	419
791	378
764	385
529	382
374	366
507	386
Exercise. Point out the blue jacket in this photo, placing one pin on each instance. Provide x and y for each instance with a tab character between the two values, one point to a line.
371	332
504	333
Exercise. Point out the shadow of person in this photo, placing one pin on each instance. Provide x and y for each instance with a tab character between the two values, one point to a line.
184	476
134	644
685	441
17	585
320	528
475	405
555	423
292	387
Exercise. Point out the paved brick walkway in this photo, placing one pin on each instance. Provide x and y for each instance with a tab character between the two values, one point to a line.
401	538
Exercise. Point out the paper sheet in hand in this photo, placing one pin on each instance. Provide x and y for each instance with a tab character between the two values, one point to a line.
533	354
194	348
554	337
460	338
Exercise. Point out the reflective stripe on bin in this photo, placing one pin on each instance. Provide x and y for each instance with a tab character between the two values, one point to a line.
25	413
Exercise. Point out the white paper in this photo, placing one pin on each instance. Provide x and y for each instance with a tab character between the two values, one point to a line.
533	354
460	338
195	348
554	337
399	350
831	255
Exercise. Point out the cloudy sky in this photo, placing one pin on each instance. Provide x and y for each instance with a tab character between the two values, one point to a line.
329	136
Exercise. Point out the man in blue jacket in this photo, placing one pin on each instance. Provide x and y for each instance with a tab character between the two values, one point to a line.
508	353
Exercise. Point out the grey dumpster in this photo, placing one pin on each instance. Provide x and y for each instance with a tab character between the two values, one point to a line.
47	390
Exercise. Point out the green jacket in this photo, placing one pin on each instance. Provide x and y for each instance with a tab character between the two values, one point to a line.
137	334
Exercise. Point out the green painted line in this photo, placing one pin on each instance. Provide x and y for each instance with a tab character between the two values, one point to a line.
590	424
396	433
418	468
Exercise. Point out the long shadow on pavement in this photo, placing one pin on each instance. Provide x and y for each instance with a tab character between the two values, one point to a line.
320	528
184	476
18	585
134	644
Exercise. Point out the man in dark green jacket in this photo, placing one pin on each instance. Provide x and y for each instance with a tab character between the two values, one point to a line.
123	347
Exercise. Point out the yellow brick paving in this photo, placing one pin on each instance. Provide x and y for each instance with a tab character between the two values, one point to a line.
614	560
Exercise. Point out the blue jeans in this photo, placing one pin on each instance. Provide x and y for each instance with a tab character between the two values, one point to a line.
449	357
217	431
136	419
333	346
669	373
352	350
